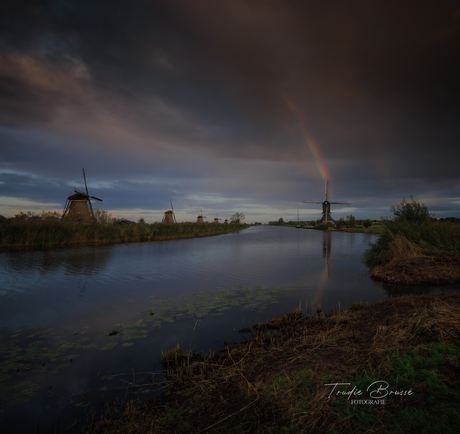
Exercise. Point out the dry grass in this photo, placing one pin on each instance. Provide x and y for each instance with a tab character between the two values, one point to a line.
275	381
401	247
416	254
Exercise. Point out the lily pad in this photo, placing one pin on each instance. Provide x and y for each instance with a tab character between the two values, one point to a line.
127	344
18	400
59	367
108	346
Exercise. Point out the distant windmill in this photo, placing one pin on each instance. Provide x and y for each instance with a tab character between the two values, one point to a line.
327	208
78	206
169	216
216	219
201	217
298	226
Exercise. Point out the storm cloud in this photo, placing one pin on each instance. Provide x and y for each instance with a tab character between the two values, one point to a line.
230	106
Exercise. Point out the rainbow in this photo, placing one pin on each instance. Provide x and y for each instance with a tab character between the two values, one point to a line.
311	144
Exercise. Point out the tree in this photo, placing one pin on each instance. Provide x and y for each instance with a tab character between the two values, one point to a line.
367	223
410	211
351	221
237	218
281	221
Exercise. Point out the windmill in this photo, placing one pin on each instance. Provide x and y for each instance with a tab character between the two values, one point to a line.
78	206
327	208
201	217
216	219
298	226
169	216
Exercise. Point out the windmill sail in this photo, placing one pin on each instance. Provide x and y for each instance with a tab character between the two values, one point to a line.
169	216
78	206
326	217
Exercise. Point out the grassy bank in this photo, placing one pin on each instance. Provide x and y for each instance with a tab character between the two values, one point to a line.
38	233
375	229
281	380
416	253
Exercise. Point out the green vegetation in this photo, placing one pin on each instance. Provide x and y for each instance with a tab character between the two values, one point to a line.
415	249
410	211
367	223
406	239
323	227
47	230
351	221
281	379
237	218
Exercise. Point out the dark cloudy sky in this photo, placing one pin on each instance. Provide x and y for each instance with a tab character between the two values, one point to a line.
230	105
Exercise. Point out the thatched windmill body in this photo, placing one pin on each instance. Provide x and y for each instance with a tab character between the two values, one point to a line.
78	206
169	216
326	218
200	218
216	219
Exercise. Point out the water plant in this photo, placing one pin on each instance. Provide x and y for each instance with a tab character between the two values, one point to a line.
24	353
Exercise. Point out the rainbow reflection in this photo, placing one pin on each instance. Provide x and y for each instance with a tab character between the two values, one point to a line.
324	274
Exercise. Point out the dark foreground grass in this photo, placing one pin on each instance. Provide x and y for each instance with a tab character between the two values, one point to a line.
281	380
416	253
51	233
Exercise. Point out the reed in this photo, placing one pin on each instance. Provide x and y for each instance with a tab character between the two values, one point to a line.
51	232
414	253
405	239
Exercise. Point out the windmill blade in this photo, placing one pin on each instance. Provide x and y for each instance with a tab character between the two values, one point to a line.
172	209
92	197
79	192
327	183
341	203
307	201
84	177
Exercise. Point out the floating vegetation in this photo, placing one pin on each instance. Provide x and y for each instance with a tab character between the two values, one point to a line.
38	350
109	346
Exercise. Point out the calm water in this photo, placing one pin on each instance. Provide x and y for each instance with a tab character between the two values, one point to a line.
59	307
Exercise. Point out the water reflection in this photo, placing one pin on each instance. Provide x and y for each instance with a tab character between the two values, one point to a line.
326	245
87	260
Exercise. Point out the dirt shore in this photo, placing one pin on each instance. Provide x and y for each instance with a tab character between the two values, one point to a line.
424	270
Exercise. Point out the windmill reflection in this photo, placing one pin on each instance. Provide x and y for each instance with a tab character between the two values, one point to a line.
325	272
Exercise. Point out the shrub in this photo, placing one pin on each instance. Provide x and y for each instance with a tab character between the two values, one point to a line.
351	221
322	227
410	211
367	223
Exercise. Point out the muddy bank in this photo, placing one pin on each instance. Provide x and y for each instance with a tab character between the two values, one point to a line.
285	377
